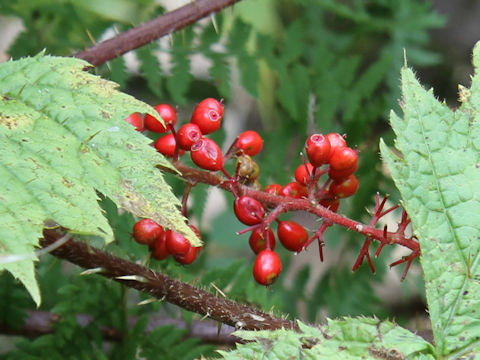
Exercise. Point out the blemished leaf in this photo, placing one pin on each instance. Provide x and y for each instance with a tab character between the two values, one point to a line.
349	338
438	176
62	138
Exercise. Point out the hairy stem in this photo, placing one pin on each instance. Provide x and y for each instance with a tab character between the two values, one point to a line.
152	30
291	204
163	287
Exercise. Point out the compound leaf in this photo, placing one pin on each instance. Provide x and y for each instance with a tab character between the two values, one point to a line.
438	176
349	338
62	138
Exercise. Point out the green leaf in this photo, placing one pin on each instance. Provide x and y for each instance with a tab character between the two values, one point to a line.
439	180
62	138
349	338
150	68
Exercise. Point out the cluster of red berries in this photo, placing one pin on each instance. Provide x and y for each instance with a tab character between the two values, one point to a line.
163	243
327	154
206	119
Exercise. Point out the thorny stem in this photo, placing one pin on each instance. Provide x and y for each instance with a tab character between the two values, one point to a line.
291	204
161	286
143	34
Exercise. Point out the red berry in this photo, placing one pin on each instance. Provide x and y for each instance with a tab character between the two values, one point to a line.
343	158
331	204
274	189
146	231
168	115
206	154
249	142
176	244
318	148
166	145
213	104
267	267
136	120
295	190
248	210
189	257
345	188
292	235
208	115
159	247
188	135
340	175
303	172
258	239
336	140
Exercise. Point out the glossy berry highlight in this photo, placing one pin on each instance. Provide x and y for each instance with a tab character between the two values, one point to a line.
292	235
248	210
146	231
267	267
168	114
206	154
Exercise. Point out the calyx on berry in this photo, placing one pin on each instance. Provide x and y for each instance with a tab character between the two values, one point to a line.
248	210
188	135
168	114
206	154
318	148
267	267
208	115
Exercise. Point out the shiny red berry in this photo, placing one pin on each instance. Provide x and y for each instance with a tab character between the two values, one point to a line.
274	189
189	257
303	172
343	158
166	145
206	154
259	238
176	244
208	115
341	175
188	135
159	249
249	142
294	189
168	115
136	120
336	140
318	148
146	231
345	188
292	235
212	104
248	210
267	267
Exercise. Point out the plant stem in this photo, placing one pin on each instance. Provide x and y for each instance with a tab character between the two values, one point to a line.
152	30
162	287
291	204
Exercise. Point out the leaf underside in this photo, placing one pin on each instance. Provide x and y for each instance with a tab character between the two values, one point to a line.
62	138
349	338
438	175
